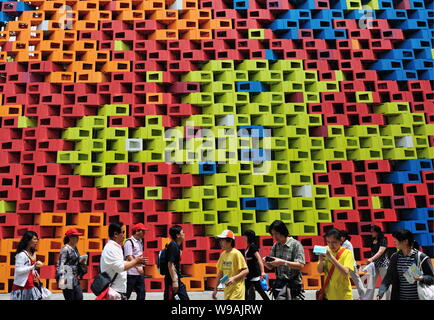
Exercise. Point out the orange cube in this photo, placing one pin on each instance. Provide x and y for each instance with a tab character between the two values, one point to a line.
218	24
91	77
28	56
151	5
165	16
59	77
197	34
116	66
201	15
311	282
194	283
184	25
85	25
11	110
51	219
132	15
162	34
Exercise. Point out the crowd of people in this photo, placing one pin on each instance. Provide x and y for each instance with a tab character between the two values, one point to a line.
239	275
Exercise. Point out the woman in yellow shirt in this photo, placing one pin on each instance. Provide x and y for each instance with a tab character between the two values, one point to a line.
232	264
339	287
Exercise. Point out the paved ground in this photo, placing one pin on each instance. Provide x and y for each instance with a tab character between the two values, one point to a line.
204	295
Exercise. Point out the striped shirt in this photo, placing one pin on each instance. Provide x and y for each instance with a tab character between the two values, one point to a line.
407	291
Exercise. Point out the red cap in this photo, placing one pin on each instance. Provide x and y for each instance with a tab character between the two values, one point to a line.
139	226
73	232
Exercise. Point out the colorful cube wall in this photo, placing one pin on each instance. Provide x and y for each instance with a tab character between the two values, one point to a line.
214	114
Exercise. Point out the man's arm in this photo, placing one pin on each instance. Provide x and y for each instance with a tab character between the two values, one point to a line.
298	262
138	268
173	275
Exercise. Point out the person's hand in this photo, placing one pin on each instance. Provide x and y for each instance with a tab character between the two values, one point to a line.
214	295
328	253
322	257
379	298
369	260
38	264
230	281
266	263
277	262
62	283
264	275
175	286
146	261
140	260
418	278
140	271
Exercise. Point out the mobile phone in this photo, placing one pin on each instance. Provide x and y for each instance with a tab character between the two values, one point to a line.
269	259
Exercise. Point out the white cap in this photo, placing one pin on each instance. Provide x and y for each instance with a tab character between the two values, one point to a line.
226	234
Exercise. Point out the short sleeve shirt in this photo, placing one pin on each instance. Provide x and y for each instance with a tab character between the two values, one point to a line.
292	251
133	247
230	264
381	262
173	254
339	287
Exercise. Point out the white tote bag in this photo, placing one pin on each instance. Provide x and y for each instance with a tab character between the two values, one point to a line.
371	272
424	291
370	278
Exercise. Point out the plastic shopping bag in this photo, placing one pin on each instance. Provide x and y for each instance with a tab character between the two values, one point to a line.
369	276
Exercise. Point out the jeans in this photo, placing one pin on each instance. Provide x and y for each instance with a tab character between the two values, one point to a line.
75	293
168	291
136	283
251	287
287	290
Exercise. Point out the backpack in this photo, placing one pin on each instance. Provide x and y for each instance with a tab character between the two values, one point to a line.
132	244
162	262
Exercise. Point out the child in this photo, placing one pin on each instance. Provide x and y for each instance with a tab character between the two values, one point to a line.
337	264
232	264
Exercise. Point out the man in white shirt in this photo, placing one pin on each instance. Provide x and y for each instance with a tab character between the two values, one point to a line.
133	248
112	259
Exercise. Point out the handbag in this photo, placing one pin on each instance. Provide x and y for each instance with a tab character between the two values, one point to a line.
45	293
424	291
320	294
101	282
